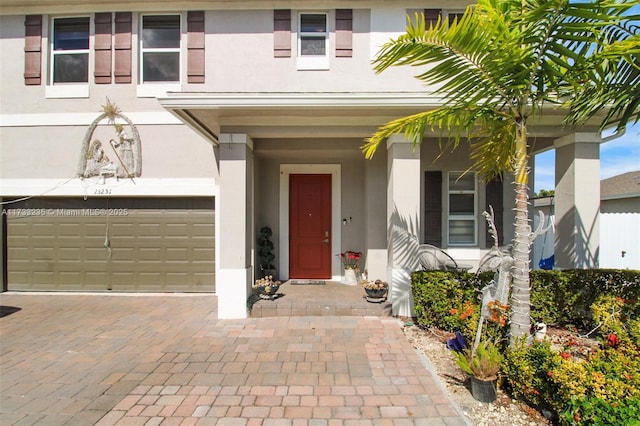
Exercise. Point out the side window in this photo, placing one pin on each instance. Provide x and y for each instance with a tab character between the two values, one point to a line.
462	220
160	49
313	36
70	50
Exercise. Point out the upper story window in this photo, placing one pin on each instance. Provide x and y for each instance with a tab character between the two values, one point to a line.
462	218
160	48
313	38
313	34
70	51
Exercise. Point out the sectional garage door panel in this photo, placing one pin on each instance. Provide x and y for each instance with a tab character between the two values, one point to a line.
150	245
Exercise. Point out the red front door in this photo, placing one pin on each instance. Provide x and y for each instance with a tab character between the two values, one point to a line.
310	226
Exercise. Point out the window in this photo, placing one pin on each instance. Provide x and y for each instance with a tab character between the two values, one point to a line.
160	48
313	34
462	208
70	52
312	41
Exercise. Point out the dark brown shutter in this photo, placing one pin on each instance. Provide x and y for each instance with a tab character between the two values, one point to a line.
344	33
102	73
433	208
123	47
33	50
431	16
282	33
494	196
195	47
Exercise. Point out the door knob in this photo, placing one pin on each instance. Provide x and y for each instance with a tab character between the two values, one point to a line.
326	241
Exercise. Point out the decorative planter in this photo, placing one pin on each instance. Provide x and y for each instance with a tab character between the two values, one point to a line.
350	277
376	293
268	292
484	390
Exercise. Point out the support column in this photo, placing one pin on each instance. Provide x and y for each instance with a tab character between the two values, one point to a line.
235	227
403	217
577	200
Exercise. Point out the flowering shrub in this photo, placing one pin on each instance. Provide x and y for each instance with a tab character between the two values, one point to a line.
445	300
350	259
581	389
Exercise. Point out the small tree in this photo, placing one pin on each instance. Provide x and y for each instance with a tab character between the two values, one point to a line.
265	251
498	66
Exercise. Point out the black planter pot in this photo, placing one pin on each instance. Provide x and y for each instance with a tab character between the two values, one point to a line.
376	293
484	390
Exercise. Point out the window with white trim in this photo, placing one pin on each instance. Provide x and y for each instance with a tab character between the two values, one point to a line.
160	49
462	192
313	41
70	50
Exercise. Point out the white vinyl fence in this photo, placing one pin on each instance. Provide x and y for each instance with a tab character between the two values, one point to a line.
620	240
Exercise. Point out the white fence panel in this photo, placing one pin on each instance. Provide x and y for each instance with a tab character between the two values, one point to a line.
543	244
620	240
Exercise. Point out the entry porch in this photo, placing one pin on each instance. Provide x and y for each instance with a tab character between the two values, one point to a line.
332	298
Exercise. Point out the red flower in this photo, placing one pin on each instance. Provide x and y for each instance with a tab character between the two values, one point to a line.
612	340
565	355
550	373
453	311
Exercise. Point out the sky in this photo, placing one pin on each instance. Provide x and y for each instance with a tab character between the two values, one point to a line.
617	156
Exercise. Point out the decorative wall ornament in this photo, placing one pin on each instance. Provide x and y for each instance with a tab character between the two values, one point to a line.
126	149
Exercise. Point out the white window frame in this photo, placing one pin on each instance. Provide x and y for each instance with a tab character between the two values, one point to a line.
313	62
466	217
78	89
158	88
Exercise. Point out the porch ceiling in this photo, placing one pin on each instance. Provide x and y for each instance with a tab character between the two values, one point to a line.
317	115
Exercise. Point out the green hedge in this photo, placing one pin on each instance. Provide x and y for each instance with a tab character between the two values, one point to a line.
557	297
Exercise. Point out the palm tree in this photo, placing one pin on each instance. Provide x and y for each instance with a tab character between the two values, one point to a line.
496	67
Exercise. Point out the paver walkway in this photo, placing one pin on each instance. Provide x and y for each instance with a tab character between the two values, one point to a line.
167	360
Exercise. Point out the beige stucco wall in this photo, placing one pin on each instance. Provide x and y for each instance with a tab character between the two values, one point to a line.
172	151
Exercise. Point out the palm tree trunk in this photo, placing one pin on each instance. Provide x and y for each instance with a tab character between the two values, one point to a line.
520	295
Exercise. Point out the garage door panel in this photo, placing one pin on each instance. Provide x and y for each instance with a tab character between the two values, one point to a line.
95	254
177	254
159	245
73	254
202	254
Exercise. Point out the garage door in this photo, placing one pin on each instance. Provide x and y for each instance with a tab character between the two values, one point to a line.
146	245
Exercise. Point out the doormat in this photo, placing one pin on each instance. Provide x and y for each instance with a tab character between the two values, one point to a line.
307	282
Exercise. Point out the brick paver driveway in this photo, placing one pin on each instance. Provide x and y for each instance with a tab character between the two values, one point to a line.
166	359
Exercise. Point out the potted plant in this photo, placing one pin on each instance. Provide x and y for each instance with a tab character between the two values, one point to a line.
350	261
266	287
482	364
376	290
265	252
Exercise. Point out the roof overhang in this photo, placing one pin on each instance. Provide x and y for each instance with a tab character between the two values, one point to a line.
318	115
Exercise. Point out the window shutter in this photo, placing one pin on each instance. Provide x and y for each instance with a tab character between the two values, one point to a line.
33	50
102	73
195	47
123	47
282	33
433	208
431	16
344	32
494	198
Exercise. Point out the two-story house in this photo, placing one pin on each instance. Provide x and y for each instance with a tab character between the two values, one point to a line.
144	143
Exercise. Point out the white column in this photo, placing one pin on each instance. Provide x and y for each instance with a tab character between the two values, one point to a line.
577	200
403	216
235	227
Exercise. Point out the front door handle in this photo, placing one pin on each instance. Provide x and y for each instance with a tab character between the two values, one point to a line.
326	241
